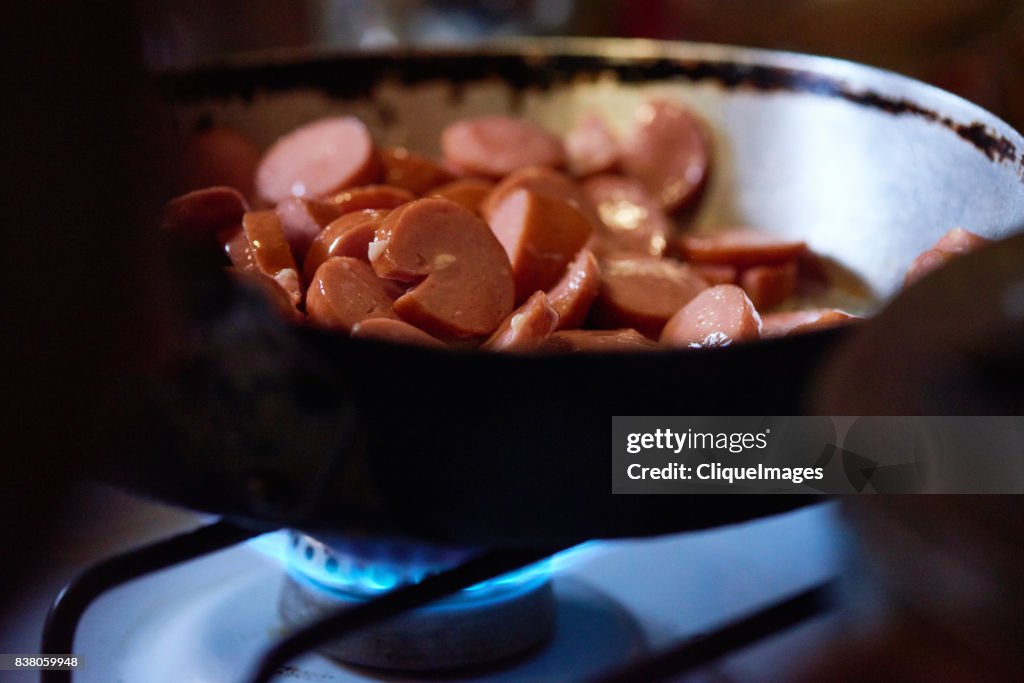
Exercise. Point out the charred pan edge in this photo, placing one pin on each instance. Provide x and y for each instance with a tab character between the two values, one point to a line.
355	76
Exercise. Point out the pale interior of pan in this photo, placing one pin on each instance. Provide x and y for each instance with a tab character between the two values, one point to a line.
866	188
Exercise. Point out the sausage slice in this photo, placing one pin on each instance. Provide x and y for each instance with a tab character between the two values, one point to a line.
345	291
495	146
527	328
667	151
643	293
631	221
543	181
771	284
540	235
794	322
206	211
463	285
575	293
412	172
466	192
317	160
349	235
270	250
221	156
302	220
718	316
372	197
591	147
394	331
739	247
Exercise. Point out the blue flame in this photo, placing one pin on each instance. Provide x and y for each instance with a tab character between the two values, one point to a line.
363	569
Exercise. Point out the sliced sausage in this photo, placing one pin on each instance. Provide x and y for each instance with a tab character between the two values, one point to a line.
960	241
318	160
771	284
372	197
716	273
349	235
718	316
540	235
599	341
221	156
575	293
495	146
527	328
643	293
463	280
631	221
739	247
270	250
207	211
543	181
345	291
412	172
466	192
667	151
302	220
591	147
394	331
794	322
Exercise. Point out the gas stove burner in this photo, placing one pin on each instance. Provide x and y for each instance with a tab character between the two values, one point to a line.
482	624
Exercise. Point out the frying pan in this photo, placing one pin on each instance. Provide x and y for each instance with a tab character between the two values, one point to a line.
275	425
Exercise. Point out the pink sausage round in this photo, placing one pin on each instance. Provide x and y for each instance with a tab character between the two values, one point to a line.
495	146
667	151
591	147
960	241
349	235
527	328
371	197
302	220
770	284
206	211
468	193
270	250
412	172
394	331
718	316
794	322
643	293
739	247
631	221
541	235
462	280
543	181
575	293
317	160
345	291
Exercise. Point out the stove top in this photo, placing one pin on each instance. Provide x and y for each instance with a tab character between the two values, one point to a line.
208	620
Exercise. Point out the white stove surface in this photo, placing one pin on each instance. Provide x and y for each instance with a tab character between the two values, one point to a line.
207	621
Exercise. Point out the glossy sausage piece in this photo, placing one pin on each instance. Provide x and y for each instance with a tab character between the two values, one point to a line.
236	247
591	147
207	211
349	235
575	293
221	156
794	322
394	331
468	193
302	220
954	243
541	235
372	197
667	152
346	291
960	241
543	181
318	160
270	250
739	247
495	146
599	341
527	328
463	285
412	172
631	221
719	316
771	284
643	293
